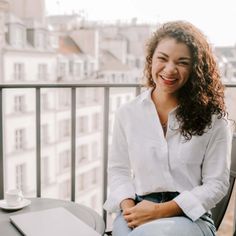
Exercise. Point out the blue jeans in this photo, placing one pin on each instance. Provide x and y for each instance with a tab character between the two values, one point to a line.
172	226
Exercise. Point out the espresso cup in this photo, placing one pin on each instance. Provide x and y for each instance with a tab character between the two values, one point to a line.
13	197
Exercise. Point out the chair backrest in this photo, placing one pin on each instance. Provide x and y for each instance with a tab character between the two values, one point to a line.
219	211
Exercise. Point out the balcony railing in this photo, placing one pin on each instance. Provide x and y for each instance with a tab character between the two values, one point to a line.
72	87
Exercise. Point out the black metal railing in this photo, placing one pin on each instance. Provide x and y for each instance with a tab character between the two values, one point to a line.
73	87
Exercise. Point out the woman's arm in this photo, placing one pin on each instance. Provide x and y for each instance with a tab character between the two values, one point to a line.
119	171
215	173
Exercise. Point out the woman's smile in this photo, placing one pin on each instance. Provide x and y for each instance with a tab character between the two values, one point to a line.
168	80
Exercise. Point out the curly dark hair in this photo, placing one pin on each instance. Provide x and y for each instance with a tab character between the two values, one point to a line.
203	93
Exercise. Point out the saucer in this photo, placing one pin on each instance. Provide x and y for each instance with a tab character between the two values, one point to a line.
25	202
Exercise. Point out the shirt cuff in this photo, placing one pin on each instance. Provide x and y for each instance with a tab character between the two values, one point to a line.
190	205
112	203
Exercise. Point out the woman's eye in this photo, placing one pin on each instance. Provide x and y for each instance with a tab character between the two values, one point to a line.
161	58
185	63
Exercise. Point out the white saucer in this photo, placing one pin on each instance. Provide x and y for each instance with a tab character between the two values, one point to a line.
25	202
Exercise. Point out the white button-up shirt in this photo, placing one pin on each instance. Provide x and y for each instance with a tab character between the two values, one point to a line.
142	160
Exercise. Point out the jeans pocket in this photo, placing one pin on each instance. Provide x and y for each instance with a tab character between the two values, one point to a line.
208	222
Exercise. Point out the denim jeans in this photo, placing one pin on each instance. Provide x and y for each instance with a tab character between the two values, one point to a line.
172	226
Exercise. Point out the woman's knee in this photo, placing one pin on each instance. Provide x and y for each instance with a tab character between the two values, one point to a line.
175	226
120	227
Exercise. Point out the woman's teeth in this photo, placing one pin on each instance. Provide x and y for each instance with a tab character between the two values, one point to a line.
168	79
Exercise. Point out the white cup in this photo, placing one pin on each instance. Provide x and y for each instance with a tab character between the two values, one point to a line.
13	197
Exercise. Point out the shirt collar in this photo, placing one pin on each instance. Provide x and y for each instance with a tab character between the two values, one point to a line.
146	95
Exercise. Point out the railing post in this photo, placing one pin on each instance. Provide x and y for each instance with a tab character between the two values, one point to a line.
38	143
1	148
73	142
105	146
138	90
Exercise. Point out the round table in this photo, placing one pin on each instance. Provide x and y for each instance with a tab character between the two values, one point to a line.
86	214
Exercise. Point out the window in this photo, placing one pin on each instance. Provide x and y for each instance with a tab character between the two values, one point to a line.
19	103
113	77
85	68
20	139
62	69
65	189
94	176
77	69
45	170
82	124
95	150
82	153
42	72
53	41
88	179
94	204
95	121
18	38
64	160
81	96
40	40
122	76
64	126
19	71
21	176
44	134
118	102
137	63
44	102
127	98
80	183
95	95
64	98
92	67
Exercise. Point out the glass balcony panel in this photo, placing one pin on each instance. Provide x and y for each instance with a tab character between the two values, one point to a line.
19	132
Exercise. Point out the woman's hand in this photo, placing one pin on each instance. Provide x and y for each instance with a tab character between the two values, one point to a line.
141	213
146	211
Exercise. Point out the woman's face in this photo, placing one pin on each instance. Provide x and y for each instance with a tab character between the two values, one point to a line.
171	65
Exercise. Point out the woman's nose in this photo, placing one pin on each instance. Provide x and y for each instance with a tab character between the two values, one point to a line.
170	68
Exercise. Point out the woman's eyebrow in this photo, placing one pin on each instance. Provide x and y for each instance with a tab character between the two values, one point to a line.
181	58
185	58
164	54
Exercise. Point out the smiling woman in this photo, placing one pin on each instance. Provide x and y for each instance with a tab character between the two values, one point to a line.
170	154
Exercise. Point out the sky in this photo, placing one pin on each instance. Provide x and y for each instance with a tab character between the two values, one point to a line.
215	18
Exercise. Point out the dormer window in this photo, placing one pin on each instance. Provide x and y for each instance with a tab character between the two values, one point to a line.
40	40
17	36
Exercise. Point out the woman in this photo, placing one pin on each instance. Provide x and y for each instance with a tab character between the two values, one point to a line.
170	156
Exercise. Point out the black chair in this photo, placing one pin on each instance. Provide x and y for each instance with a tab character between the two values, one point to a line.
218	212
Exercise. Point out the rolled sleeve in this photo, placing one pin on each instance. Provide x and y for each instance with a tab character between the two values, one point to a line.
215	175
123	192
190	205
119	172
